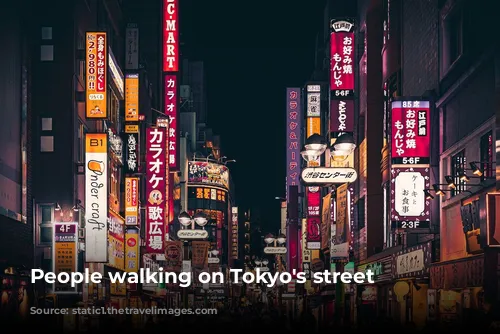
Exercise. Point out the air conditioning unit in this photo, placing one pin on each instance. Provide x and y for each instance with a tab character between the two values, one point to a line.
185	91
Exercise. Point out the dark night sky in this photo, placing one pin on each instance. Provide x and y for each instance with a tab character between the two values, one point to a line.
252	51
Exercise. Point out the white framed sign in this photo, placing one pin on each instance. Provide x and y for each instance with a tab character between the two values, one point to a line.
328	175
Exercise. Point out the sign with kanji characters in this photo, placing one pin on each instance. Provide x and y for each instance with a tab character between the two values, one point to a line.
192	234
171	109
116	241
156	187
131	47
410	132
341	115
132	97
65	254
132	250
206	193
96	75
410	208
293	141
173	256
131	141
234	233
313	104
171	35
199	251
342	61
343	210
328	175
313	218
131	201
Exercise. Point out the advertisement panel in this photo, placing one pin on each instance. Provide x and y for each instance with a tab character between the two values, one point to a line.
341	116
64	254
171	109
116	74
132	97
342	48
313	126
202	172
410	132
207	193
410	209
132	240
342	223
170	35
293	138
306	253
313	104
173	256
96	197
313	218
96	73
234	233
199	258
325	221
116	241
131	47
131	201
156	186
131	153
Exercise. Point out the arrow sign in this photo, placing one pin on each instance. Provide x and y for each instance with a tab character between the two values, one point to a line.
328	175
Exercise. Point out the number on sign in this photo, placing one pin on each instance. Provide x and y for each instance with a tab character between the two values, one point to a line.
410	224
411	161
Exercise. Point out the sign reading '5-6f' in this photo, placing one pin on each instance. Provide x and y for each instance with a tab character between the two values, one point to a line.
328	175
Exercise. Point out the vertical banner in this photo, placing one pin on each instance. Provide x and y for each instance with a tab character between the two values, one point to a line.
173	256
341	116
171	109
313	107
342	223
131	201
116	241
325	221
132	250
131	153
170	35
131	47
156	186
200	254
410	132
96	197
96	75
306	253
132	97
64	254
342	60
313	218
234	233
293	140
409	207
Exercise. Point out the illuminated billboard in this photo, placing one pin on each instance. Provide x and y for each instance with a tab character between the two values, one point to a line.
116	241
64	254
95	75
96	197
293	138
131	201
202	172
342	59
171	109
234	233
313	218
170	35
132	98
410	132
156	186
410	209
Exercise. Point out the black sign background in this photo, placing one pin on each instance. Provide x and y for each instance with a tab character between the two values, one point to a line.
130	153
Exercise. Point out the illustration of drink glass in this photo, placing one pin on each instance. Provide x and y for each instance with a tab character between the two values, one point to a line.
96	166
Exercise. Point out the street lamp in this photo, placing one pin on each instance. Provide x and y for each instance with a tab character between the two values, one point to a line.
189	223
316	143
315	146
281	239
345	142
275	244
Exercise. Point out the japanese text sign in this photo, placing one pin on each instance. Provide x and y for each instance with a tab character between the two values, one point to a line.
96	75
313	104
313	214
410	132
116	241
65	254
171	109
342	208
132	98
132	47
342	115
409	206
234	233
132	250
170	35
131	200
156	186
131	153
342	59
293	141
328	175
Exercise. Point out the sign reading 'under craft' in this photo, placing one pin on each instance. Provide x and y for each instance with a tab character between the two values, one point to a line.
328	175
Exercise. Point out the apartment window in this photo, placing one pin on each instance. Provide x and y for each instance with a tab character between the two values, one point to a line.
452	38
486	148
46	217
458	166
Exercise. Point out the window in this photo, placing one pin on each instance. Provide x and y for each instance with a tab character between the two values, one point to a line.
452	38
46	33
46	52
47	144
458	168
46	217
486	147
